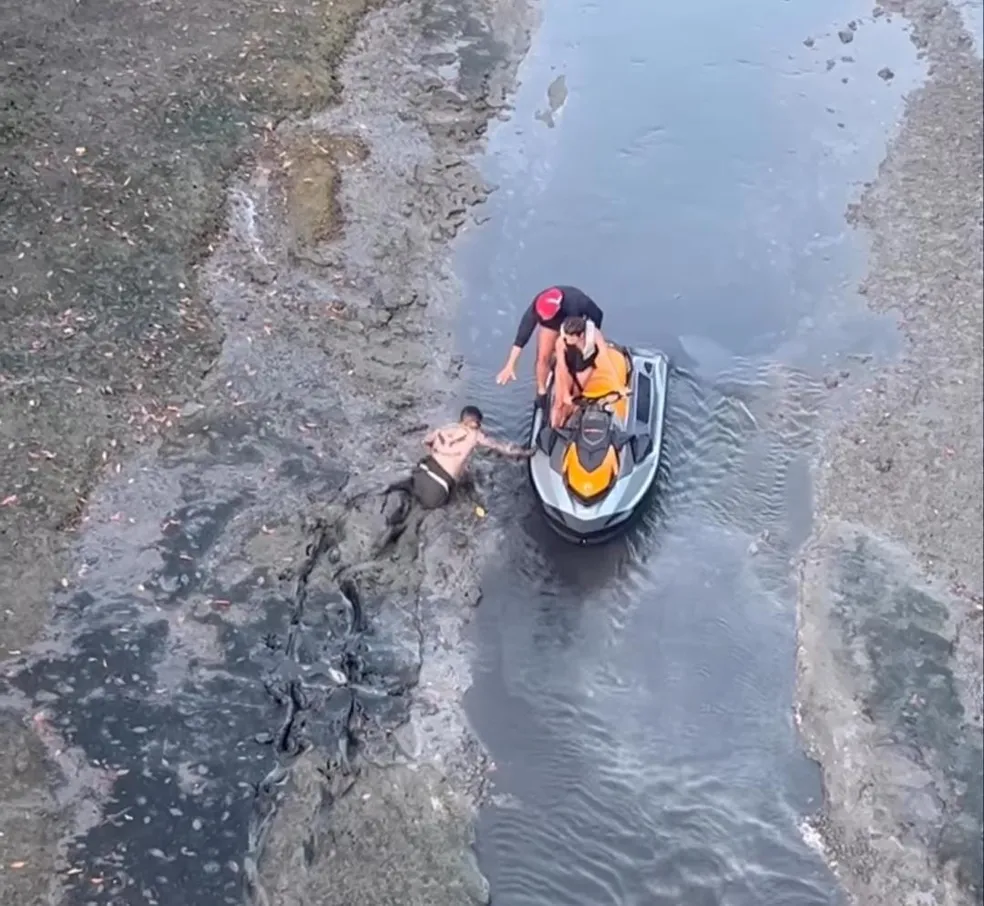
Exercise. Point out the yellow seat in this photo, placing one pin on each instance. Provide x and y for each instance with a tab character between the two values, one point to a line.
611	373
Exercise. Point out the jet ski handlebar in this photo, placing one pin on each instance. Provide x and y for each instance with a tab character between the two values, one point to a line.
602	402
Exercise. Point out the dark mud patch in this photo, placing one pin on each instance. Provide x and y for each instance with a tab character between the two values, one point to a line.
188	682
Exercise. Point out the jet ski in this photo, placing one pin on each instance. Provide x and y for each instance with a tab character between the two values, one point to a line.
592	475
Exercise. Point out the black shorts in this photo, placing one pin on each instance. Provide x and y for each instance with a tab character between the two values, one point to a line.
431	485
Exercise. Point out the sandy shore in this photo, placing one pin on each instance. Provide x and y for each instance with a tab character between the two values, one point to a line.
891	647
226	319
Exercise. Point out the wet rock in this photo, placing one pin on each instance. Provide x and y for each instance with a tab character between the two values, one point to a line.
846	35
886	74
809	42
556	98
883	464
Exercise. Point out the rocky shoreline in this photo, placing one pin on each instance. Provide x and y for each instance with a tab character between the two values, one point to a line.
237	688
890	616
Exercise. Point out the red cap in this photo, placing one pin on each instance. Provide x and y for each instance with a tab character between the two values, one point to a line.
548	303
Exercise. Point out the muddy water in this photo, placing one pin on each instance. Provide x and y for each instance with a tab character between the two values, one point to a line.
689	166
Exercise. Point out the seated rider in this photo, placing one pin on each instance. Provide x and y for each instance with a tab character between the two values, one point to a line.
434	477
547	312
580	350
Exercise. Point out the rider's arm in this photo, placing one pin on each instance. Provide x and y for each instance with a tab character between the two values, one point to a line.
505	447
527	324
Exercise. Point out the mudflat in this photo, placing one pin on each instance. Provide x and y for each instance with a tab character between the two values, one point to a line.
225	307
891	607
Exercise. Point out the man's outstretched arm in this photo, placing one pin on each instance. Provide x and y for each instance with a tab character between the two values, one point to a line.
504	447
527	324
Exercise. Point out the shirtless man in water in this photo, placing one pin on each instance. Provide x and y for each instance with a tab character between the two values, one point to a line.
434	477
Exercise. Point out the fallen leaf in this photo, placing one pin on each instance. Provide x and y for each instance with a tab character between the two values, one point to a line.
17	864
9	501
480	512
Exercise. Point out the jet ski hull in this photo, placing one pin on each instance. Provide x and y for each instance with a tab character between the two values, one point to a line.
639	433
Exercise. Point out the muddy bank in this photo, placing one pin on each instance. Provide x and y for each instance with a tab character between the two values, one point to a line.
890	656
119	133
228	330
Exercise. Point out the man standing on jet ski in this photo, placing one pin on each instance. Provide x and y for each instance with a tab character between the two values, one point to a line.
548	311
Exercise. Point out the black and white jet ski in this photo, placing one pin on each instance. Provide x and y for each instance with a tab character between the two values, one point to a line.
592	475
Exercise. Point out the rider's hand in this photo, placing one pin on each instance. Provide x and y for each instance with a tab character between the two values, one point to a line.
506	375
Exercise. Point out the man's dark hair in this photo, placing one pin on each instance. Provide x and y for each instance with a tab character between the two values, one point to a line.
472	412
574	326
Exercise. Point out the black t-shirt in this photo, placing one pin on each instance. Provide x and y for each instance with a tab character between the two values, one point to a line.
574	302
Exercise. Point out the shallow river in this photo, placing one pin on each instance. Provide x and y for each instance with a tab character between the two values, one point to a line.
638	699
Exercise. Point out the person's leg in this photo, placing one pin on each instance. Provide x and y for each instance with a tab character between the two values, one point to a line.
546	340
403	484
559	412
395	511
